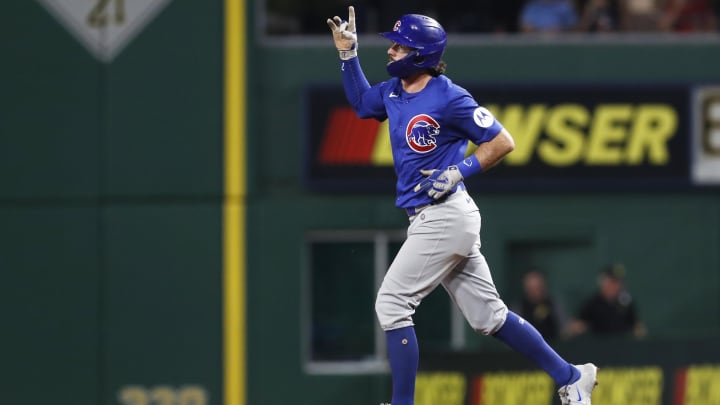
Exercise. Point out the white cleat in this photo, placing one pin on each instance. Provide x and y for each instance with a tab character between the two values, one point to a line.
579	392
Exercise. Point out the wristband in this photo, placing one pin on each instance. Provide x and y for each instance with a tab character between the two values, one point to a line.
349	54
469	166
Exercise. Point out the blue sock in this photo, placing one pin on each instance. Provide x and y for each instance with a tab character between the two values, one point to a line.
522	337
404	356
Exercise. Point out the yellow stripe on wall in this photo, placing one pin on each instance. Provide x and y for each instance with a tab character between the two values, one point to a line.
234	321
382	151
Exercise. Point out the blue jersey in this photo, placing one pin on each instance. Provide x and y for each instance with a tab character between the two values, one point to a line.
429	129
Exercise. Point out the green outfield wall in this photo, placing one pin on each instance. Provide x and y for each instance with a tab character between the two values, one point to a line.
111	193
110	211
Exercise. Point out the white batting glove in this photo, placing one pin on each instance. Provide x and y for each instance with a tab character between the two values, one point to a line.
344	34
438	183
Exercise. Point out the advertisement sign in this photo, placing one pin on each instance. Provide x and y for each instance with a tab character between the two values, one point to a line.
641	385
706	136
579	137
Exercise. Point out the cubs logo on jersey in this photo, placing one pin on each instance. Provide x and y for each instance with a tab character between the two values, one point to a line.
420	133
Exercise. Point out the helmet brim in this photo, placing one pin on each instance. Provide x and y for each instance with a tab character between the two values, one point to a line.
397	38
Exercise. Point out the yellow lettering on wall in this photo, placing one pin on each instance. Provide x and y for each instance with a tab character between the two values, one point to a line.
521	388
653	126
569	134
607	134
525	128
636	386
382	150
162	395
564	145
440	388
702	385
133	395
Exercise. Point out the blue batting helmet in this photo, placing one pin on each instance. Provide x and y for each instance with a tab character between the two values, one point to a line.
427	38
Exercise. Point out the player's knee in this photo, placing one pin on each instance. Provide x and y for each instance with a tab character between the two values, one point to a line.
488	322
392	311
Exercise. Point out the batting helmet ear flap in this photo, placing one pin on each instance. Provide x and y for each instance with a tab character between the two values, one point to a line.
412	62
415	57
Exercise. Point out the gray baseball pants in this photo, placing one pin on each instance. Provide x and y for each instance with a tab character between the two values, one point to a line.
442	247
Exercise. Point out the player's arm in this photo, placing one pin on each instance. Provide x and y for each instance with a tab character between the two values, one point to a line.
493	139
490	153
365	100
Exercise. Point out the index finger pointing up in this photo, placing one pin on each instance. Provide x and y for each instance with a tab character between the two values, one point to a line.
351	19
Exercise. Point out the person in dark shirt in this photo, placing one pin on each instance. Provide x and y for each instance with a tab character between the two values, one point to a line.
539	308
610	311
599	15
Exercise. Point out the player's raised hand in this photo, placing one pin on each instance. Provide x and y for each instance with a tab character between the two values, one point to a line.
344	34
438	183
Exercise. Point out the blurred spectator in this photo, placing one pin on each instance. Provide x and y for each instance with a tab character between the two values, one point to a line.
688	16
611	311
291	17
639	15
599	15
548	16
538	307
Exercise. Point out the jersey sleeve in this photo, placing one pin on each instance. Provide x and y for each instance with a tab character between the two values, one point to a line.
366	100
472	119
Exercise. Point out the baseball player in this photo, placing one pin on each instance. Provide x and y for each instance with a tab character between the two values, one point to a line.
430	121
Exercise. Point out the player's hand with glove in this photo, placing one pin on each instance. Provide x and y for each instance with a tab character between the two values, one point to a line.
440	182
344	34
